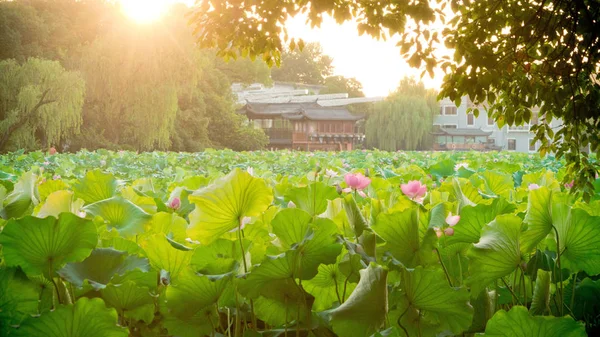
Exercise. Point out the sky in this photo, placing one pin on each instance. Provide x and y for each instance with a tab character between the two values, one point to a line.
378	65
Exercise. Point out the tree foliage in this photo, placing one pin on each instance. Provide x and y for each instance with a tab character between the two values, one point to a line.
40	104
403	121
146	86
341	84
508	56
308	66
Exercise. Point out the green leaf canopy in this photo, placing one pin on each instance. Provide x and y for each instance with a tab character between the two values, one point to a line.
87	317
364	311
221	206
497	254
42	246
429	296
128	218
518	323
101	266
404	239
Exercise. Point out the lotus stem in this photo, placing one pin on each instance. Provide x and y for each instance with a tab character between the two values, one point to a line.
562	295
511	291
400	319
443	267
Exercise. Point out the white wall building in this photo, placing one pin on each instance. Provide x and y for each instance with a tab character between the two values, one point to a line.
510	138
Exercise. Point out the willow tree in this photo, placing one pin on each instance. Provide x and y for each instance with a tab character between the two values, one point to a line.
40	104
135	75
403	121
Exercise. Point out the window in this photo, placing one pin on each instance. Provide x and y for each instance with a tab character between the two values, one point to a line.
531	144
450	110
441	110
450	126
490	121
470	119
534	118
512	144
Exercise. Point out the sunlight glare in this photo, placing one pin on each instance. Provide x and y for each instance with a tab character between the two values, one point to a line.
144	11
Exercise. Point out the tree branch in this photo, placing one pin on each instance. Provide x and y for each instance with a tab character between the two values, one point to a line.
21	121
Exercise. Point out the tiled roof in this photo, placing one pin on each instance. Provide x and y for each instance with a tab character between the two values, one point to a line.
463	132
297	111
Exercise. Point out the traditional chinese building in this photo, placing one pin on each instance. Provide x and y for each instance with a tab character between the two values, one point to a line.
306	126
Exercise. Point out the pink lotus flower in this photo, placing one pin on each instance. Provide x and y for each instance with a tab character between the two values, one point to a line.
414	190
356	182
52	151
449	231
452	219
438	232
570	185
56	177
175	203
533	187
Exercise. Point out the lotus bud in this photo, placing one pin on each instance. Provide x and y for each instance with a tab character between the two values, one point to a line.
291	204
175	203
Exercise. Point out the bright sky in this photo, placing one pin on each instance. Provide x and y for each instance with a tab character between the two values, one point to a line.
376	64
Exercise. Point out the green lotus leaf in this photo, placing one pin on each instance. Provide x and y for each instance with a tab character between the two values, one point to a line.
221	206
100	267
474	218
355	218
194	293
59	202
130	299
291	226
364	312
541	294
497	183
18	298
466	193
50	186
518	323
199	325
273	269
220	257
120	213
428	292
287	303
538	217
579	236
168	224
319	247
87	317
484	307
142	201
586	300
498	252
96	186
442	168
328	286
312	198
126	245
163	256
405	240
21	200
42	246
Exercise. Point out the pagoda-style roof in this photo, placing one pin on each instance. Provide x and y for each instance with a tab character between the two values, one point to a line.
462	132
298	111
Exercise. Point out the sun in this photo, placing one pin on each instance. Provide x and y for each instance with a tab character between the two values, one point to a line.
145	11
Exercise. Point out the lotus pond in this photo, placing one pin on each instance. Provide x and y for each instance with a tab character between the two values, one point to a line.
354	244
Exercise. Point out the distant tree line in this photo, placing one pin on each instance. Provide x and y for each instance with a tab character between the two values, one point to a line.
78	74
